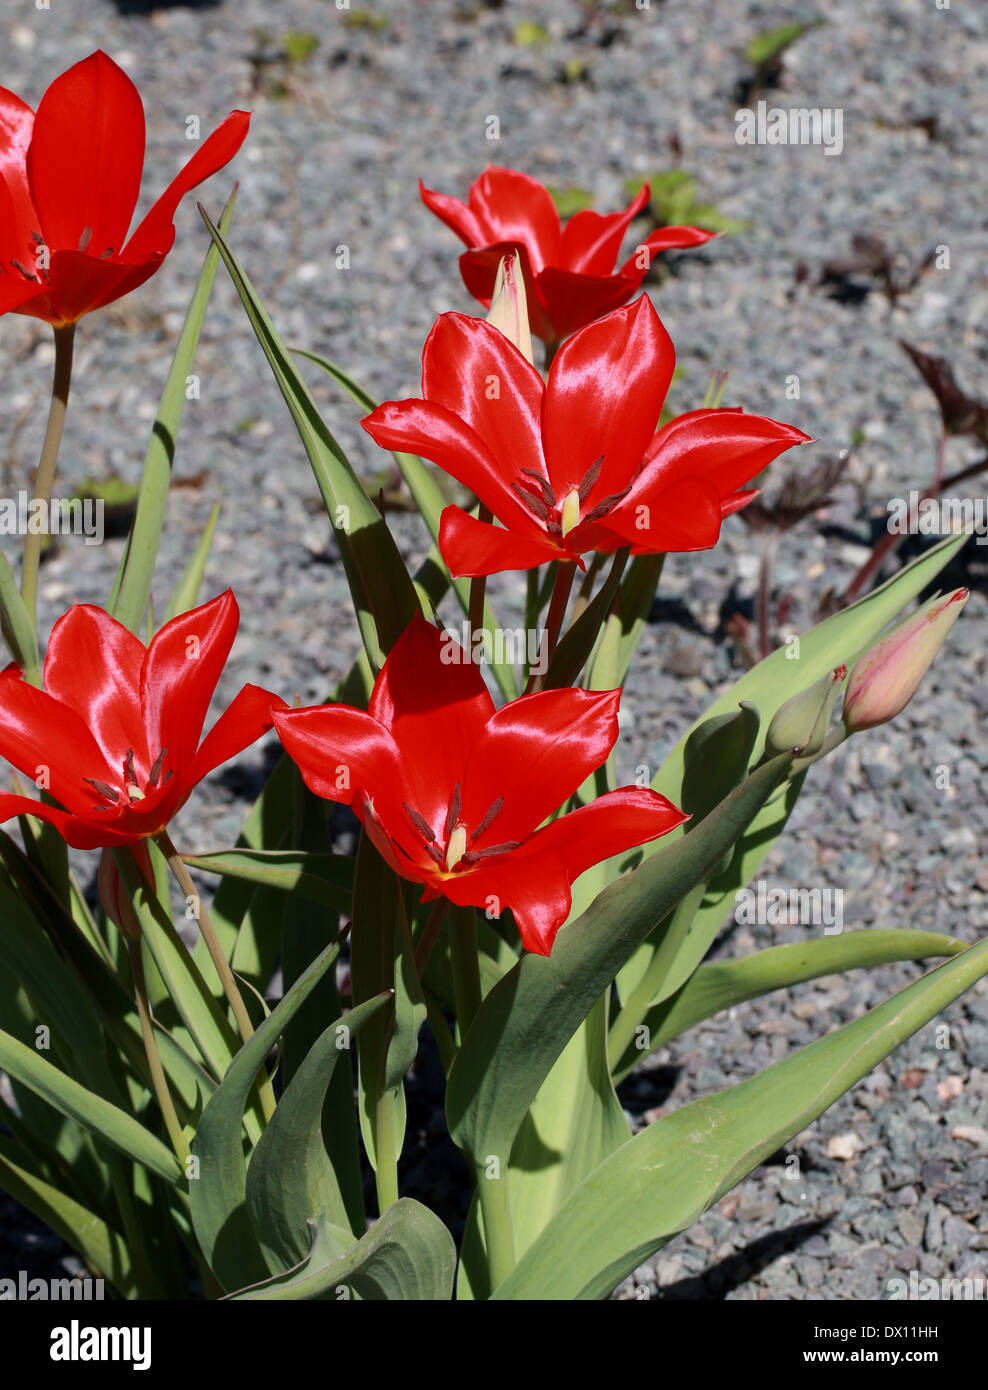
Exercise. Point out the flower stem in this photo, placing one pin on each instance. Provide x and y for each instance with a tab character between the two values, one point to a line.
466	967
492	1193
554	621
217	956
430	933
478	590
45	476
159	1082
386	1172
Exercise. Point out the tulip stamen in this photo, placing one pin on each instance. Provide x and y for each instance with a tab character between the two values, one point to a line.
155	772
472	855
548	495
590	478
453	815
84	238
489	815
420	823
103	790
24	271
602	508
532	502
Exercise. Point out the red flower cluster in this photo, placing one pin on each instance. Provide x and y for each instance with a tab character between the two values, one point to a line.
575	465
69	181
453	792
569	271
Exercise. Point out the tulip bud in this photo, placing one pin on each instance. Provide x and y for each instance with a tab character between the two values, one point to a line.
885	680
113	895
509	306
801	723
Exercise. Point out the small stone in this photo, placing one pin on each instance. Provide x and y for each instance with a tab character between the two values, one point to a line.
843	1146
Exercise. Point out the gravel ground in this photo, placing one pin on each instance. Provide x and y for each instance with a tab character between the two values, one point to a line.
892	1178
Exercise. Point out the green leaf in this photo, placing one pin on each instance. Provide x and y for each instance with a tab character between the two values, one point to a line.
408	1255
429	499
219	1210
530	1015
87	1109
383	595
15	623
661	1181
763	48
102	1248
291	1174
132	589
320	878
723	984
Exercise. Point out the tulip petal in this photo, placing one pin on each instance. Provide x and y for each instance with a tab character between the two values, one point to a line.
728	447
684	516
471	547
93	666
50	743
615	822
591	240
458	217
535	752
665	239
534	886
432	697
420	427
18	217
606	387
180	674
475	372
80	834
155	234
249	715
512	207
572	301
86	157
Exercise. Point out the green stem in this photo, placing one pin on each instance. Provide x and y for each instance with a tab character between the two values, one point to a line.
466	966
45	476
492	1193
217	956
478	590
554	622
430	932
385	1138
159	1082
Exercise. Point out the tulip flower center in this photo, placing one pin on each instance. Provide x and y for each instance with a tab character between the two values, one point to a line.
132	790
560	519
455	850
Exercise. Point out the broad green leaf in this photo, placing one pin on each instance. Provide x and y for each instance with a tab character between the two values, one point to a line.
98	1244
843	638
530	1015
132	588
408	1255
723	984
219	1210
321	878
91	1111
383	595
428	497
661	1181
291	1175
186	594
575	1121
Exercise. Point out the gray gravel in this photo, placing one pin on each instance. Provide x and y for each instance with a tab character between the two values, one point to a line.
885	1184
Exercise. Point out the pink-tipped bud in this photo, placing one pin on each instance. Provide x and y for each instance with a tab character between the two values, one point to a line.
885	680
509	306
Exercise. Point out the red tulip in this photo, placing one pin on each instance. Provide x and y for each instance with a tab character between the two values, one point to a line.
452	792
573	466
69	182
114	736
569	271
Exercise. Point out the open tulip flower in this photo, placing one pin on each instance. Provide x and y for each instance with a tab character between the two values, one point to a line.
452	791
574	465
114	736
69	181
569	270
